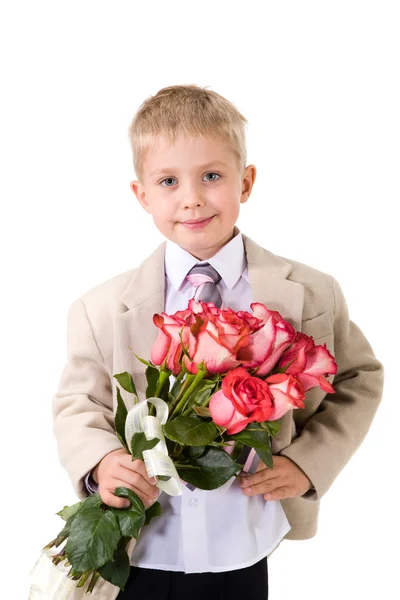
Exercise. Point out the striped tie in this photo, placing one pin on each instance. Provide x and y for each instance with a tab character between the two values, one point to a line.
205	278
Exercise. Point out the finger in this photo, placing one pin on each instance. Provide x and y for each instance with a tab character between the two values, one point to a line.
261	466
279	494
258	477
146	499
262	488
138	466
135	479
111	500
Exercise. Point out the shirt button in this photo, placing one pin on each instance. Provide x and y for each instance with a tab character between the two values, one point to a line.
193	502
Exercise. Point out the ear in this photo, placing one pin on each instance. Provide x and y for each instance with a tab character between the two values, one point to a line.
249	178
138	189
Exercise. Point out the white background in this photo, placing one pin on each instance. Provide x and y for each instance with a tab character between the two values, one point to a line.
319	84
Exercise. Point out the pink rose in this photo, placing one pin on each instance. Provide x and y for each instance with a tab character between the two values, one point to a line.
288	393
310	364
168	343
242	400
268	343
216	336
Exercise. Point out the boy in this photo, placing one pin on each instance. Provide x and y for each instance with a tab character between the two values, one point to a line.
190	158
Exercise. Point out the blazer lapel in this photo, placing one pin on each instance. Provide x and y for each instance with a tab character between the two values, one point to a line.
269	284
134	329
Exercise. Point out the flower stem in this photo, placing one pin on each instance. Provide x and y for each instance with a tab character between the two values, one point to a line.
84	578
92	582
200	375
185	385
178	379
57	558
164	375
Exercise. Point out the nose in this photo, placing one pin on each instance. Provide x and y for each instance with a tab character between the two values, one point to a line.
192	197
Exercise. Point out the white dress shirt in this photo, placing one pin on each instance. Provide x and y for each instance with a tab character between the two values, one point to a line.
222	529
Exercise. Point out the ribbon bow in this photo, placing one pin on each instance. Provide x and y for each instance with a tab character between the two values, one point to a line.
157	461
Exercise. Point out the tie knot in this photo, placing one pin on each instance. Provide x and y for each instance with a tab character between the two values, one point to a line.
203	274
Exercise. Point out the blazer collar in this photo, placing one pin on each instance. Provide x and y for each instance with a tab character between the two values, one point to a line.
267	274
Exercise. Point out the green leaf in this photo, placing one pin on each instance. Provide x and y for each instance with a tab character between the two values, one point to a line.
153	511
193	451
152	375
201	395
93	537
117	570
273	427
122	441
256	436
204	395
202	411
69	513
94	500
145	362
139	443
120	418
130	519
209	471
190	430
175	389
243	436
266	456
126	382
253	435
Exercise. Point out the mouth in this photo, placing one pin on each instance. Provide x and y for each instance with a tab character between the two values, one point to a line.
197	223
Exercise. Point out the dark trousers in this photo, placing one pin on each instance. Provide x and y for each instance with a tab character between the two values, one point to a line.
250	583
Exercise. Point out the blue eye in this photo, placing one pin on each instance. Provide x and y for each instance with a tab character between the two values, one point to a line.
173	179
212	174
167	179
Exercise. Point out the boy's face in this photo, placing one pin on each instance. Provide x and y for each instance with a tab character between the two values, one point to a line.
193	189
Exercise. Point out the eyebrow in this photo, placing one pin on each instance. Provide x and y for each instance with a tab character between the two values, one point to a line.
216	163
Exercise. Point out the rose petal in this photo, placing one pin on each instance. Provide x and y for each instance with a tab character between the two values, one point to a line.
282	404
237	424
259	347
308	381
160	348
221	409
325	385
320	362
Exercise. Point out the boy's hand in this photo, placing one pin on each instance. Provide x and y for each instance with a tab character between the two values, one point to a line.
117	469
285	480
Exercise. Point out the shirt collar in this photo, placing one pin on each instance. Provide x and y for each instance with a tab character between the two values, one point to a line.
229	261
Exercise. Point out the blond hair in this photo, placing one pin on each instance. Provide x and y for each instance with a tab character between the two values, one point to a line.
186	110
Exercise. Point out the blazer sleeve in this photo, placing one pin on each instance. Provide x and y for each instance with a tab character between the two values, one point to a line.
332	435
82	407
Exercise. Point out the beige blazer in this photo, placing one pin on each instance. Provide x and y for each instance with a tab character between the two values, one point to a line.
113	321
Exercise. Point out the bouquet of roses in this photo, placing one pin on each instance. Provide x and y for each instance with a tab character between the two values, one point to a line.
218	382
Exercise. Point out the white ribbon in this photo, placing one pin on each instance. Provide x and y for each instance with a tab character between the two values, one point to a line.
50	582
156	460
